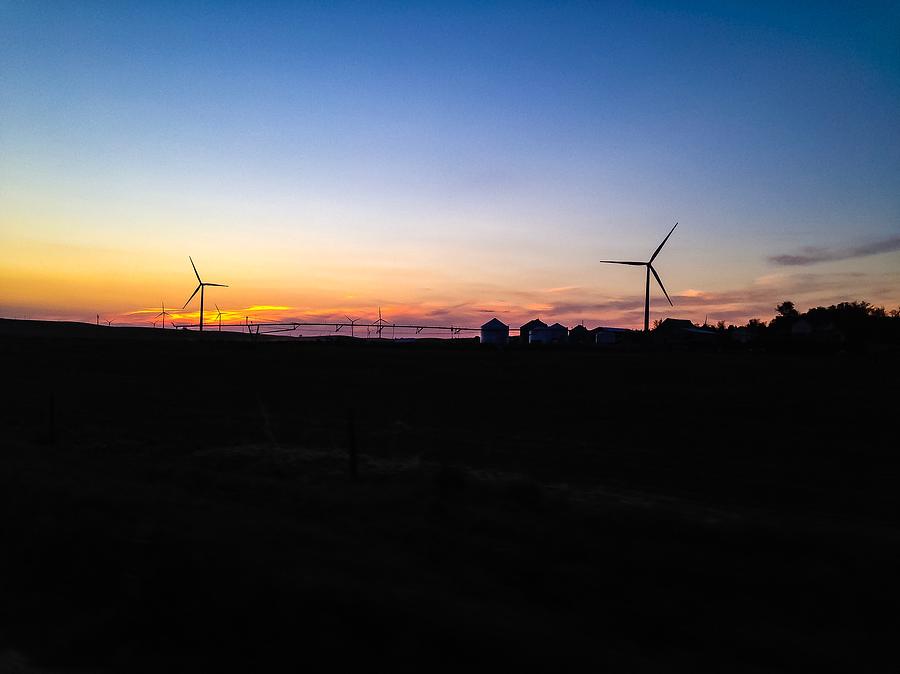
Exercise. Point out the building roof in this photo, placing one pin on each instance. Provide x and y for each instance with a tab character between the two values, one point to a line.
495	324
536	323
607	329
557	326
676	324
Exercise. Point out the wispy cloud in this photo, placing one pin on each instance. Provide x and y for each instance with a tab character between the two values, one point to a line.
814	255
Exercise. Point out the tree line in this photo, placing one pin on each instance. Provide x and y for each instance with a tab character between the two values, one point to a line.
853	322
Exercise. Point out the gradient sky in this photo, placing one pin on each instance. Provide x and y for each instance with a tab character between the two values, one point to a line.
448	162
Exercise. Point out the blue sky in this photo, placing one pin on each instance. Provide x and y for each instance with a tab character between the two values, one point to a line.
421	154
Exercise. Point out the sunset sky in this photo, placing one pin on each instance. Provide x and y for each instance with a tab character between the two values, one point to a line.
447	162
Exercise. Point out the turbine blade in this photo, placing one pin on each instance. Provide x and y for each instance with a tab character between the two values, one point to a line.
192	295
218	285
659	281
199	280
653	257
639	264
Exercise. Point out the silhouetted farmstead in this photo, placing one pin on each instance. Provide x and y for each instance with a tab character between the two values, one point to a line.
494	332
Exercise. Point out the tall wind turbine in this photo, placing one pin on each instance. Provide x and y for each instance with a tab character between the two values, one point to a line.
650	269
201	287
163	314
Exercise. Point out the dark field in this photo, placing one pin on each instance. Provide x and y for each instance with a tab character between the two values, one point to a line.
176	504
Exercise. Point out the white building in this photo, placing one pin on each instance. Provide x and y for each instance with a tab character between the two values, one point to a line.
553	334
494	332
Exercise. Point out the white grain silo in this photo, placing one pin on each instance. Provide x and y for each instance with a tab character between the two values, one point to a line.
494	332
554	334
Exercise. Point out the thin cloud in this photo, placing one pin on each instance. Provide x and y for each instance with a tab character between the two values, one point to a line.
812	255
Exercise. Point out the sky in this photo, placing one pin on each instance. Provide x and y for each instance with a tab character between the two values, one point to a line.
448	162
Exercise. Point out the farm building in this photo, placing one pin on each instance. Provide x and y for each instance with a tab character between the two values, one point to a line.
554	334
494	332
682	331
580	335
525	330
609	336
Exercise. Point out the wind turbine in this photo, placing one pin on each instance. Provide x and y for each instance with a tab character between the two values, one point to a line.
352	323
219	316
201	287
163	313
650	269
380	323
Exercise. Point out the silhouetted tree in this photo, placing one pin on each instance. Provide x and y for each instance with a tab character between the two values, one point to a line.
787	316
787	310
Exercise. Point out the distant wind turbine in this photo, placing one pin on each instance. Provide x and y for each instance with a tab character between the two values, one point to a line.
650	269
201	287
380	323
219	316
162	314
352	323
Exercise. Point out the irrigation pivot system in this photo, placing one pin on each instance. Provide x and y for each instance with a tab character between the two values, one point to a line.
376	327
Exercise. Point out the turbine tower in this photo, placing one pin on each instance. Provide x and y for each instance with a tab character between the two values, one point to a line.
201	287
650	269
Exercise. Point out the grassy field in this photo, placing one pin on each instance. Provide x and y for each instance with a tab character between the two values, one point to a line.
178	504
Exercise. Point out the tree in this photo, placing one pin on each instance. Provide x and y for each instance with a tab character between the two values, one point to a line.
786	309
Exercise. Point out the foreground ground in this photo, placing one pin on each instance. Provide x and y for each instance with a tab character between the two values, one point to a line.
186	505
